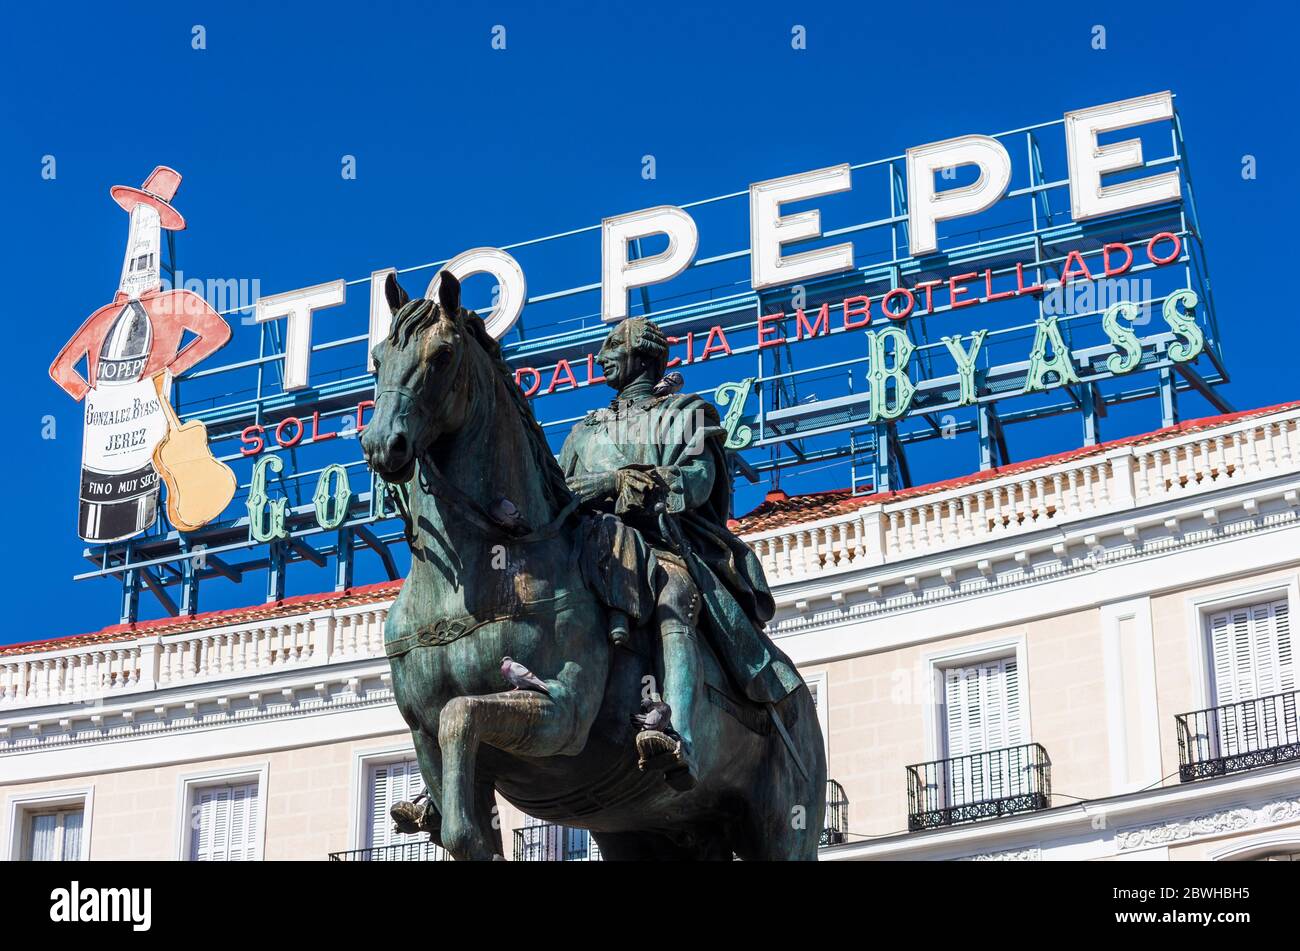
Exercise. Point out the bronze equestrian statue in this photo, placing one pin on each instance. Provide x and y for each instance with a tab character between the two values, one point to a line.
608	592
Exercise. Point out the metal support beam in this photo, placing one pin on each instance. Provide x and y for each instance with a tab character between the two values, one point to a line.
154	585
379	548
899	457
993	439
223	569
130	596
304	548
343	561
1212	396
189	587
1168	398
1091	423
983	416
742	467
275	572
883	458
1000	439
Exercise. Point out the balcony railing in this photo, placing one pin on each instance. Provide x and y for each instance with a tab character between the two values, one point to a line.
1237	736
835	827
548	842
401	852
979	786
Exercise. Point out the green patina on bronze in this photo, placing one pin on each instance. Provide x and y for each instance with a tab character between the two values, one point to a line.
630	533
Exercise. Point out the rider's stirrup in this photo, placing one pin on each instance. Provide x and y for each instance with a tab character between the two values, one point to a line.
659	751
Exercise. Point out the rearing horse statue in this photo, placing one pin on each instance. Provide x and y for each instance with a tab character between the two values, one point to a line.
453	434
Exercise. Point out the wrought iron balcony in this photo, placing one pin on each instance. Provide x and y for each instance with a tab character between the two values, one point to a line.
401	852
548	842
835	827
979	786
1246	735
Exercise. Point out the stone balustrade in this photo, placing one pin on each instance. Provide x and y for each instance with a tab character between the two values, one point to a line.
1018	503
97	672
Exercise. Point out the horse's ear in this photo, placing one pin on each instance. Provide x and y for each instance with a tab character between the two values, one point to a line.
449	294
397	298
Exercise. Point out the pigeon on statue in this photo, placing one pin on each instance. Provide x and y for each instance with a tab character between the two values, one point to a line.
520	677
506	514
655	715
670	384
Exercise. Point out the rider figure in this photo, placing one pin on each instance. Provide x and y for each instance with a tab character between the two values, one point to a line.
656	461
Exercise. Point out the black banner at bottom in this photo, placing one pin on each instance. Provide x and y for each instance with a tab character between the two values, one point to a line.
142	901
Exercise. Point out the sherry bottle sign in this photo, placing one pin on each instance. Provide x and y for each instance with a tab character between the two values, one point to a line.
132	348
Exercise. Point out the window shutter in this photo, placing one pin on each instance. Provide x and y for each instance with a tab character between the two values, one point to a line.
201	817
243	823
982	715
1253	652
225	824
1225	685
955	708
1273	648
983	707
380	800
220	824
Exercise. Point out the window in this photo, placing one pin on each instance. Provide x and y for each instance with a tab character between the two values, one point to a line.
52	825
1252	653
981	707
388	784
1253	662
224	823
52	836
982	725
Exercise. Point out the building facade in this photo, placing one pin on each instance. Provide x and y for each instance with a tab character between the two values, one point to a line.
1085	656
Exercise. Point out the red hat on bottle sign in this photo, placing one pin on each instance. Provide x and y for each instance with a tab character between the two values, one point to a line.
157	192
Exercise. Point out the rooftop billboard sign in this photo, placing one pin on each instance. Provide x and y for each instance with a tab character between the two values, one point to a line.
961	287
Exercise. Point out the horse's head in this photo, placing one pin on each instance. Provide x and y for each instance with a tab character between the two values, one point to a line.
419	389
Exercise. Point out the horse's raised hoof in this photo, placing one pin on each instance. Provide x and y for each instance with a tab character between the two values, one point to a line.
660	752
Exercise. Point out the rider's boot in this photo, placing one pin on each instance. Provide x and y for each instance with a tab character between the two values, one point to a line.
682	673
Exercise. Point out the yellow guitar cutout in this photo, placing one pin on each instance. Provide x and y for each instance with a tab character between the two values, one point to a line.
199	486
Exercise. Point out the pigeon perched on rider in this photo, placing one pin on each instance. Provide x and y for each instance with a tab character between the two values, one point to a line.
671	383
655	715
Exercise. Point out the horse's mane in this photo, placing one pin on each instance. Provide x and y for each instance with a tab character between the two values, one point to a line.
417	316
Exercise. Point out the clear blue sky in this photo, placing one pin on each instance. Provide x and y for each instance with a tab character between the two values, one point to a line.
459	145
